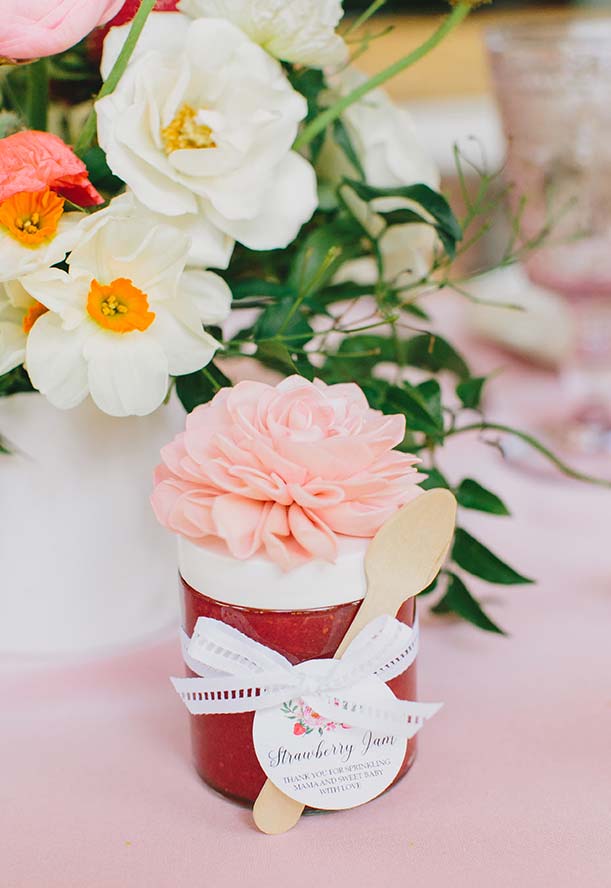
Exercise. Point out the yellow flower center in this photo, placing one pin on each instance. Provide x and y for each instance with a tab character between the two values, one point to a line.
34	312
120	306
185	132
32	217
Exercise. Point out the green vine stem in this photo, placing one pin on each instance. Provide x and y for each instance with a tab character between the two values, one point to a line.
88	132
536	445
365	16
38	94
320	123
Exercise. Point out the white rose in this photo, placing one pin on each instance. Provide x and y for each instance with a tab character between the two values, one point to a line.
301	31
124	318
391	155
202	122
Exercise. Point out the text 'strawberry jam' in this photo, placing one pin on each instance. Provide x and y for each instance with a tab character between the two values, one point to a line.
223	750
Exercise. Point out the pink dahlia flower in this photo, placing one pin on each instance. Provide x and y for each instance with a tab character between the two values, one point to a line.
33	28
284	470
33	161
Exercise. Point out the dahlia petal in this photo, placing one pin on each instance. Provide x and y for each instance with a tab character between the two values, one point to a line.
342	478
238	520
310	531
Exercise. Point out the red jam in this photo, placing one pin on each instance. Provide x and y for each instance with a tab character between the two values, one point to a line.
223	751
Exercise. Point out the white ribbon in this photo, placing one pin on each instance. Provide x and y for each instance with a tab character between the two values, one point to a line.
242	675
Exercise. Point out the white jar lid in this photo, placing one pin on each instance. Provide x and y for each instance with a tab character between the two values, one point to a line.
261	584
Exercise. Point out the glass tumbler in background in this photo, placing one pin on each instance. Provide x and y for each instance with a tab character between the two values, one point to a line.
553	84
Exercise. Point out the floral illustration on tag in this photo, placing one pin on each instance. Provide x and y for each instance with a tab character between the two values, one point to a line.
307	720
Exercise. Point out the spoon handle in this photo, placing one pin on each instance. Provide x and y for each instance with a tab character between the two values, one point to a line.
274	812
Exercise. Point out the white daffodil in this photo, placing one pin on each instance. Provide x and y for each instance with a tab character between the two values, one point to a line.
301	31
124	318
389	150
209	248
202	122
18	314
35	232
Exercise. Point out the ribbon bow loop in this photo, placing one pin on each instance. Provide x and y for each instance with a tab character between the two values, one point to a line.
237	674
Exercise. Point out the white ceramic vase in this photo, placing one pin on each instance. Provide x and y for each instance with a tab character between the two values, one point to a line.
83	564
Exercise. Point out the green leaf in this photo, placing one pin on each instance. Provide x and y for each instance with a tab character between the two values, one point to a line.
14	382
458	600
434	479
249	288
404	216
434	353
200	387
340	293
99	172
471	495
357	356
434	203
310	82
283	319
413	404
449	242
414	309
431	392
430	588
375	390
342	138
277	356
475	558
470	391
322	254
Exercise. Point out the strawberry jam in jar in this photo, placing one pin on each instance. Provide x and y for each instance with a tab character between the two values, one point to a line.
303	614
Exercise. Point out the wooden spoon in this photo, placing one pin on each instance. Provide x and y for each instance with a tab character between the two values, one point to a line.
402	559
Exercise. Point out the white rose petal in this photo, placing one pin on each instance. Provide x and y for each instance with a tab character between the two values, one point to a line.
275	226
301	31
206	131
159	29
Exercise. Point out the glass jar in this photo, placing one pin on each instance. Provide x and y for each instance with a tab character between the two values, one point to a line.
246	595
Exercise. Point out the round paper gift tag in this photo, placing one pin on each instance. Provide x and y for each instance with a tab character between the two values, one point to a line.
322	763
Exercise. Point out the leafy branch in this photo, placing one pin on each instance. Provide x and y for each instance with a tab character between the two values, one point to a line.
326	117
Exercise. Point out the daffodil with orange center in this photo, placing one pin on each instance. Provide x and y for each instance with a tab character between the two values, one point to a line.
120	307
35	232
32	217
34	312
125	317
18	314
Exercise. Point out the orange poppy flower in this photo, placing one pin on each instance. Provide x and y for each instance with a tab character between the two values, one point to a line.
33	161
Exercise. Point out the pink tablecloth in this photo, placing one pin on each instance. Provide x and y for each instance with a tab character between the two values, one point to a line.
512	786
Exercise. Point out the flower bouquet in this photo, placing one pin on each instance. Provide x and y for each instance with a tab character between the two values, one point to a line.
190	193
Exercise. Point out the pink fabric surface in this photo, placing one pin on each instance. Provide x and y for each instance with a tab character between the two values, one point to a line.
513	781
